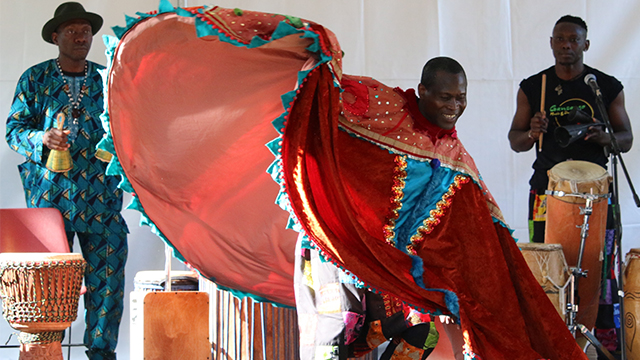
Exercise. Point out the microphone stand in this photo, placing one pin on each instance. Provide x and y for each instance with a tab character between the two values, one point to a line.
616	155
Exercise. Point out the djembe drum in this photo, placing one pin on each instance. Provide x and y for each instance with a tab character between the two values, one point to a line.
548	265
40	293
632	304
564	219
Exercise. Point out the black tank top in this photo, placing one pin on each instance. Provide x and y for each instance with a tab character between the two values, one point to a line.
561	97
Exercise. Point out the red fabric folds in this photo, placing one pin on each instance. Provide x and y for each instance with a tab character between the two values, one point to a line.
340	189
190	127
320	197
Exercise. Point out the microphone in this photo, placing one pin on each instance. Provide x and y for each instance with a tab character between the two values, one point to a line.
590	80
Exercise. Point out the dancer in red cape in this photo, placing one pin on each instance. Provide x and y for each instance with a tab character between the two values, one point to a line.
381	190
394	198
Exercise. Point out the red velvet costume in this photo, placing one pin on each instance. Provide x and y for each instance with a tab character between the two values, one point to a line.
340	188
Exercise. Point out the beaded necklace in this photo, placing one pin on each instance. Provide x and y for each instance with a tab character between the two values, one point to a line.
75	104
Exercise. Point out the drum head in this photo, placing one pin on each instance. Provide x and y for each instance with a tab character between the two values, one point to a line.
578	170
38	257
150	280
539	247
578	177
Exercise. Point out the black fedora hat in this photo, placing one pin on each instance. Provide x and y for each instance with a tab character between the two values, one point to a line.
70	11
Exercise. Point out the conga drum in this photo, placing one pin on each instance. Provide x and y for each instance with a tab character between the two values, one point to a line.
632	304
548	265
563	226
40	293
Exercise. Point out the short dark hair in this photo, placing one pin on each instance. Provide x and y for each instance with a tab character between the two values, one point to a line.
436	64
574	20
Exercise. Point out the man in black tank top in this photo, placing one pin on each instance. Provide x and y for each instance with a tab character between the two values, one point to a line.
565	90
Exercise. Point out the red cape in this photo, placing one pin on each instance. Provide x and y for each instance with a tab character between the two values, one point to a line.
340	188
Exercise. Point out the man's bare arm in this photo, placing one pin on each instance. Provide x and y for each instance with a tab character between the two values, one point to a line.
525	130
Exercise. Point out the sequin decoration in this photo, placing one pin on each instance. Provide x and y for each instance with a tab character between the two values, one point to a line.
436	214
397	193
355	97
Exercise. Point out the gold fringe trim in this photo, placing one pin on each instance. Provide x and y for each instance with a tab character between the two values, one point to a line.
397	193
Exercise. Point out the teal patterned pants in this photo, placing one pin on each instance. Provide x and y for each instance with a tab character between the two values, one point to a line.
106	256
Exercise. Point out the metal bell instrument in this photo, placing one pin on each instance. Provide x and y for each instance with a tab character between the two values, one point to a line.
59	160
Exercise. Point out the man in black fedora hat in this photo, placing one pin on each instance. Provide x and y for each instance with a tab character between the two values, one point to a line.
88	199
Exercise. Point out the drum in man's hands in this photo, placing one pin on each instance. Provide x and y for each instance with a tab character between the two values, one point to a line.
564	221
549	267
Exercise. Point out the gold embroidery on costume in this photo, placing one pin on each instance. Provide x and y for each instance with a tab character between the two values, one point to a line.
436	214
397	193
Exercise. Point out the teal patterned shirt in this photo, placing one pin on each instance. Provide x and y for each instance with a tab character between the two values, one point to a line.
88	199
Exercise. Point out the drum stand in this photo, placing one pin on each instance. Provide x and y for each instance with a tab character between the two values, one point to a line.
577	272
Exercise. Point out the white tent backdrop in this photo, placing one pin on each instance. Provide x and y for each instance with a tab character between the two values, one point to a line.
499	42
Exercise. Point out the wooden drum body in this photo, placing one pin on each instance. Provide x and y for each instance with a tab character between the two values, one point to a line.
632	304
548	265
40	293
564	219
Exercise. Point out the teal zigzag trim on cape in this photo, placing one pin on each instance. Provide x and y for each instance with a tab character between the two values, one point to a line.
203	29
